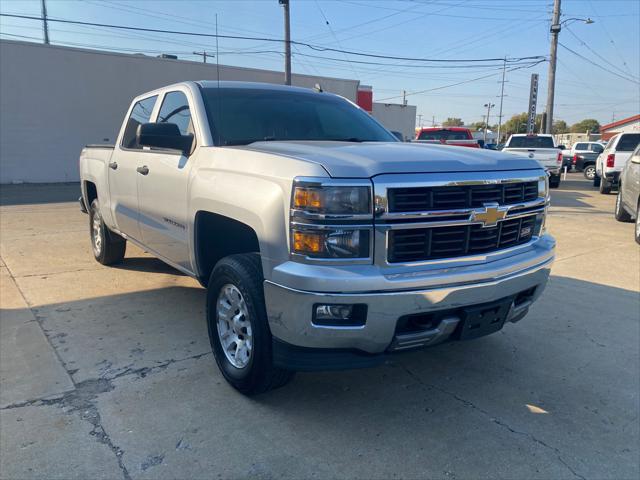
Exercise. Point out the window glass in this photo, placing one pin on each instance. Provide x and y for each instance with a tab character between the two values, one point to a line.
240	116
628	142
141	113
531	142
175	109
596	147
442	135
581	146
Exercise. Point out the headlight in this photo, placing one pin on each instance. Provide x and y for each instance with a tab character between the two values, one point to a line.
330	242
543	187
332	200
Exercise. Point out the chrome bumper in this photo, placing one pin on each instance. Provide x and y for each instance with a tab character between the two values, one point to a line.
290	309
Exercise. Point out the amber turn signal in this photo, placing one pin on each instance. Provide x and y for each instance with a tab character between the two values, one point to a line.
308	242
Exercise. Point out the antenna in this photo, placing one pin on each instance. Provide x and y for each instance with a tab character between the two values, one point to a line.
219	94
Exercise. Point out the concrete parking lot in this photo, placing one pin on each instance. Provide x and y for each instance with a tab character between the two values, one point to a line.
107	372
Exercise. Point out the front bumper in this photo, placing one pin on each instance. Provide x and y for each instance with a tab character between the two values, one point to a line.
290	309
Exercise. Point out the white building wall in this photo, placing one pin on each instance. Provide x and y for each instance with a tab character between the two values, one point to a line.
54	100
401	118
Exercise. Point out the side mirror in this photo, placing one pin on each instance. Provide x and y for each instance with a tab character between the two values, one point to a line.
164	135
562	147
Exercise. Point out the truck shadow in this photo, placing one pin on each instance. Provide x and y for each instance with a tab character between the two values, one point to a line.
147	264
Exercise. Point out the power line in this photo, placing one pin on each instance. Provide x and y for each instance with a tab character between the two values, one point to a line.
264	39
598	65
584	44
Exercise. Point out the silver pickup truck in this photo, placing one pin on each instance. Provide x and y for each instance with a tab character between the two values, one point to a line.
323	242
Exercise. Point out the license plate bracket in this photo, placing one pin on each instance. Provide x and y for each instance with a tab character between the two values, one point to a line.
484	319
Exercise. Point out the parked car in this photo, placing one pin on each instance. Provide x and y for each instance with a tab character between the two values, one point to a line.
613	158
628	199
323	242
583	157
540	147
457	136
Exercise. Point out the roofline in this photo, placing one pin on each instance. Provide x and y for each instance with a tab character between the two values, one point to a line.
146	57
619	122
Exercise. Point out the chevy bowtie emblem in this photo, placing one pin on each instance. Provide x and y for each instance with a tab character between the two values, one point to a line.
489	215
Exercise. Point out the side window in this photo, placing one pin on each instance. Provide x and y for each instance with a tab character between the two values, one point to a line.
175	109
581	146
597	148
141	113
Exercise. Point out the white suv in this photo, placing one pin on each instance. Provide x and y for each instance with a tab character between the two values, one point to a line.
611	161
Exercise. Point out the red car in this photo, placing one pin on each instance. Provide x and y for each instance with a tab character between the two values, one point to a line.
458	136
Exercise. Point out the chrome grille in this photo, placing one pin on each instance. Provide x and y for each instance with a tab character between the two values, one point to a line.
415	199
417	244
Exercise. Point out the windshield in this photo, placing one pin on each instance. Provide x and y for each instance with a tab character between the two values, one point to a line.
531	142
442	135
239	116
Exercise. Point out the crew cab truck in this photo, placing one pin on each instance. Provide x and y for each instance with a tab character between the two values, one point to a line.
613	159
539	147
456	136
323	242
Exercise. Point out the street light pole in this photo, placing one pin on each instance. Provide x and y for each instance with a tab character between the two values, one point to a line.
551	80
287	42
486	123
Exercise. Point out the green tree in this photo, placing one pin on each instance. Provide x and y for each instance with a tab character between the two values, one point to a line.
560	126
453	122
518	124
590	125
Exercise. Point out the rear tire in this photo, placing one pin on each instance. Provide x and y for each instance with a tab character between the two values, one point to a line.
620	213
596	180
590	172
605	186
554	181
108	247
238	327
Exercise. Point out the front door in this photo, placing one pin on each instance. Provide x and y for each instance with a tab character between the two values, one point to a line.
163	188
123	177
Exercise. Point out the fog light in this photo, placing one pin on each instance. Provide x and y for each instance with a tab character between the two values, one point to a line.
339	315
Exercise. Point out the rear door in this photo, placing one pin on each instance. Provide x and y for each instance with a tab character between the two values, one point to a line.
123	177
163	189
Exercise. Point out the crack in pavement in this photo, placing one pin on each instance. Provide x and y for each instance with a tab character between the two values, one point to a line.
82	399
493	419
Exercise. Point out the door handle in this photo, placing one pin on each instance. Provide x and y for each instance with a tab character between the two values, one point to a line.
143	170
113	165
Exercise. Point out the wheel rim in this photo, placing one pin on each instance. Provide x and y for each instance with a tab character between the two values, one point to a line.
234	326
590	172
96	233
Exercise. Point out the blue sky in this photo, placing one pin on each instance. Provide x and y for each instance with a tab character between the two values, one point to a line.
443	29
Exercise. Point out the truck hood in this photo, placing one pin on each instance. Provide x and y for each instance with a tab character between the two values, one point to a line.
368	159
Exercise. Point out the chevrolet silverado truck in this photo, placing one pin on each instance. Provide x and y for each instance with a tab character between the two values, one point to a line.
539	147
323	242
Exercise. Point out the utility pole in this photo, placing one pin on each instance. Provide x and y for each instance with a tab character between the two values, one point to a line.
204	55
404	97
433	121
551	81
486	123
504	70
287	42
45	26
420	120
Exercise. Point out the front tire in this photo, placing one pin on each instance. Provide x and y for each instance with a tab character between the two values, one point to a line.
108	247
620	213
238	326
637	229
590	172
